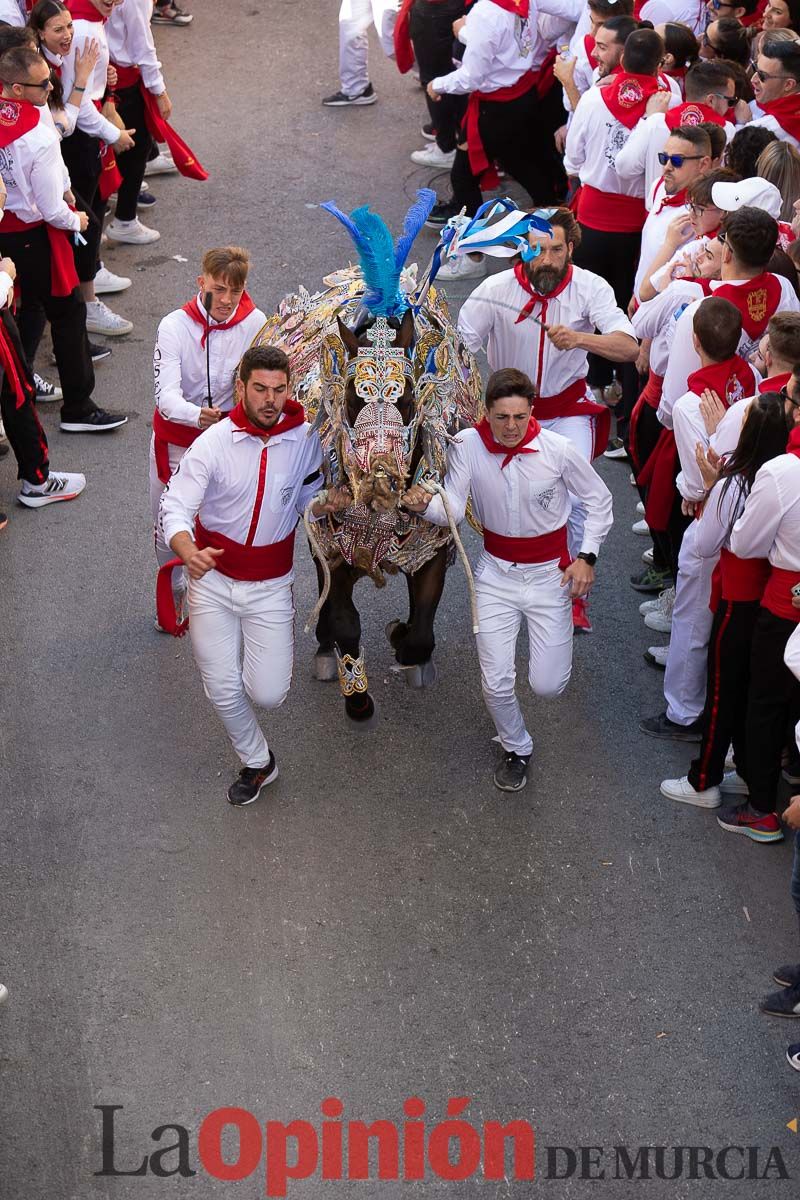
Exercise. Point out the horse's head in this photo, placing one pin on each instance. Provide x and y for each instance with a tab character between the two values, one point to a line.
379	400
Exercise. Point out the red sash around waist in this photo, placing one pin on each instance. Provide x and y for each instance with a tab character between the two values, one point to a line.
738	579
658	476
110	177
541	549
651	393
572	402
481	167
170	433
159	129
778	594
248	563
63	276
610	211
651	396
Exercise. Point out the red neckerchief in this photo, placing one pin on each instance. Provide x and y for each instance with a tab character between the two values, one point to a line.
756	300
522	447
17	117
524	282
198	314
786	112
82	10
775	382
691	113
731	380
520	8
676	201
293	415
793	444
589	45
626	98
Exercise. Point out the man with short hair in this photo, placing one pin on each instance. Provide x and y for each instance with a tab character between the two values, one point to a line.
230	515
520	478
36	233
196	355
776	88
589	51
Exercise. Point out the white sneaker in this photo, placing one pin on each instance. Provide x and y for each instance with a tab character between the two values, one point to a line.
733	785
647	557
462	268
59	485
658	654
642	528
640	508
664	602
659	621
106	281
432	156
3	992
132	233
163	165
100	319
682	790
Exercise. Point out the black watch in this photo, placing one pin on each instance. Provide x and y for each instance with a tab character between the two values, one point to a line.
591	559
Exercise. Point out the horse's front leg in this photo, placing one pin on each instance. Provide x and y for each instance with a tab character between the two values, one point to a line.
340	624
414	640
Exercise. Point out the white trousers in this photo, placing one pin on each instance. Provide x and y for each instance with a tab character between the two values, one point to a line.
176	453
580	431
687	659
504	598
355	18
243	641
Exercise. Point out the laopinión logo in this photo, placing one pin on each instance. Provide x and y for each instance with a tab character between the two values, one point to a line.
232	1145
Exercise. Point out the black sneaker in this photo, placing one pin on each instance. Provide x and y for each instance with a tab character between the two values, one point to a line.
651	580
91	420
512	774
428	132
441	214
45	390
246	788
97	352
146	199
788	976
662	727
782	1004
793	1056
341	100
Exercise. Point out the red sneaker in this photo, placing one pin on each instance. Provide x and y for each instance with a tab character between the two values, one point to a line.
580	616
760	827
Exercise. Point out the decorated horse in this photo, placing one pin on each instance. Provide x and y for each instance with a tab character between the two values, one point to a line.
387	382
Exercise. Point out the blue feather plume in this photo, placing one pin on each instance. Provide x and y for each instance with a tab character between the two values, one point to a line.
416	217
330	207
381	276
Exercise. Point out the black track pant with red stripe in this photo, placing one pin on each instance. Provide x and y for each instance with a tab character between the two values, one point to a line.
23	430
728	682
773	708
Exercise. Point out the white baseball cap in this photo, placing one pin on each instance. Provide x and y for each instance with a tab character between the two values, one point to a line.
753	193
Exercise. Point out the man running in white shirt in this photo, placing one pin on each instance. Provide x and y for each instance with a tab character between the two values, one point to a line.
520	478
230	514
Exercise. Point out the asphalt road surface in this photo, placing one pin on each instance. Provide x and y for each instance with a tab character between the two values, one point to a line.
586	957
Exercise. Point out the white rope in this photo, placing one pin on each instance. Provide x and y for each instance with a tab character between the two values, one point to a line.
437	489
319	555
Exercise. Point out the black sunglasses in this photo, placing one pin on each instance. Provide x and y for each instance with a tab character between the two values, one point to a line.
677	160
784	395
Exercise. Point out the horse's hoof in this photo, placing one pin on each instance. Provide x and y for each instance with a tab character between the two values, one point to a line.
390	629
361	711
423	675
324	666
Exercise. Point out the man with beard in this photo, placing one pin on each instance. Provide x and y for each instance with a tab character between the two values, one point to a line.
597	54
776	87
540	317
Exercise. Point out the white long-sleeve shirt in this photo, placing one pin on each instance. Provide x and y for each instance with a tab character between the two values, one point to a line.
528	497
488	321
12	12
594	139
33	173
684	12
499	49
659	216
639	156
769	527
90	120
179	363
657	319
684	358
219	480
768	121
690	428
712	529
130	42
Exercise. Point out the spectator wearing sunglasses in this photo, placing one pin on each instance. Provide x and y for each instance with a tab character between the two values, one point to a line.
679	258
726	38
776	87
710	90
746	11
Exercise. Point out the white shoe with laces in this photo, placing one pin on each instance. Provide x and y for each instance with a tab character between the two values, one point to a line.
463	268
59	485
162	165
682	790
663	602
432	156
100	319
106	282
131	233
659	621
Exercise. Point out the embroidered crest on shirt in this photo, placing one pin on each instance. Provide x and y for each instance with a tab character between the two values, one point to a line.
286	495
545	499
757	304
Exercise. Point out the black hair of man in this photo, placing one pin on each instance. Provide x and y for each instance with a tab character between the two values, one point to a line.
717	326
752	236
643	53
703	77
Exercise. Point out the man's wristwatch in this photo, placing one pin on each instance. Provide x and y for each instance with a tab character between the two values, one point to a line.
591	559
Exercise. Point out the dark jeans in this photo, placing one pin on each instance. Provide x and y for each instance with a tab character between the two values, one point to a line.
613	256
773	708
130	106
643	438
430	29
81	153
506	128
67	315
23	429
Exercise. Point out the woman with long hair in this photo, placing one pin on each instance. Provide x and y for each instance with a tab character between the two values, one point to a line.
51	22
779	163
681	50
736	596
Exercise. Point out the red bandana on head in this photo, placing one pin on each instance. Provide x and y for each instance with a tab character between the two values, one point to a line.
691	113
756	300
786	112
524	282
732	380
198	314
84	10
293	415
522	447
626	97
